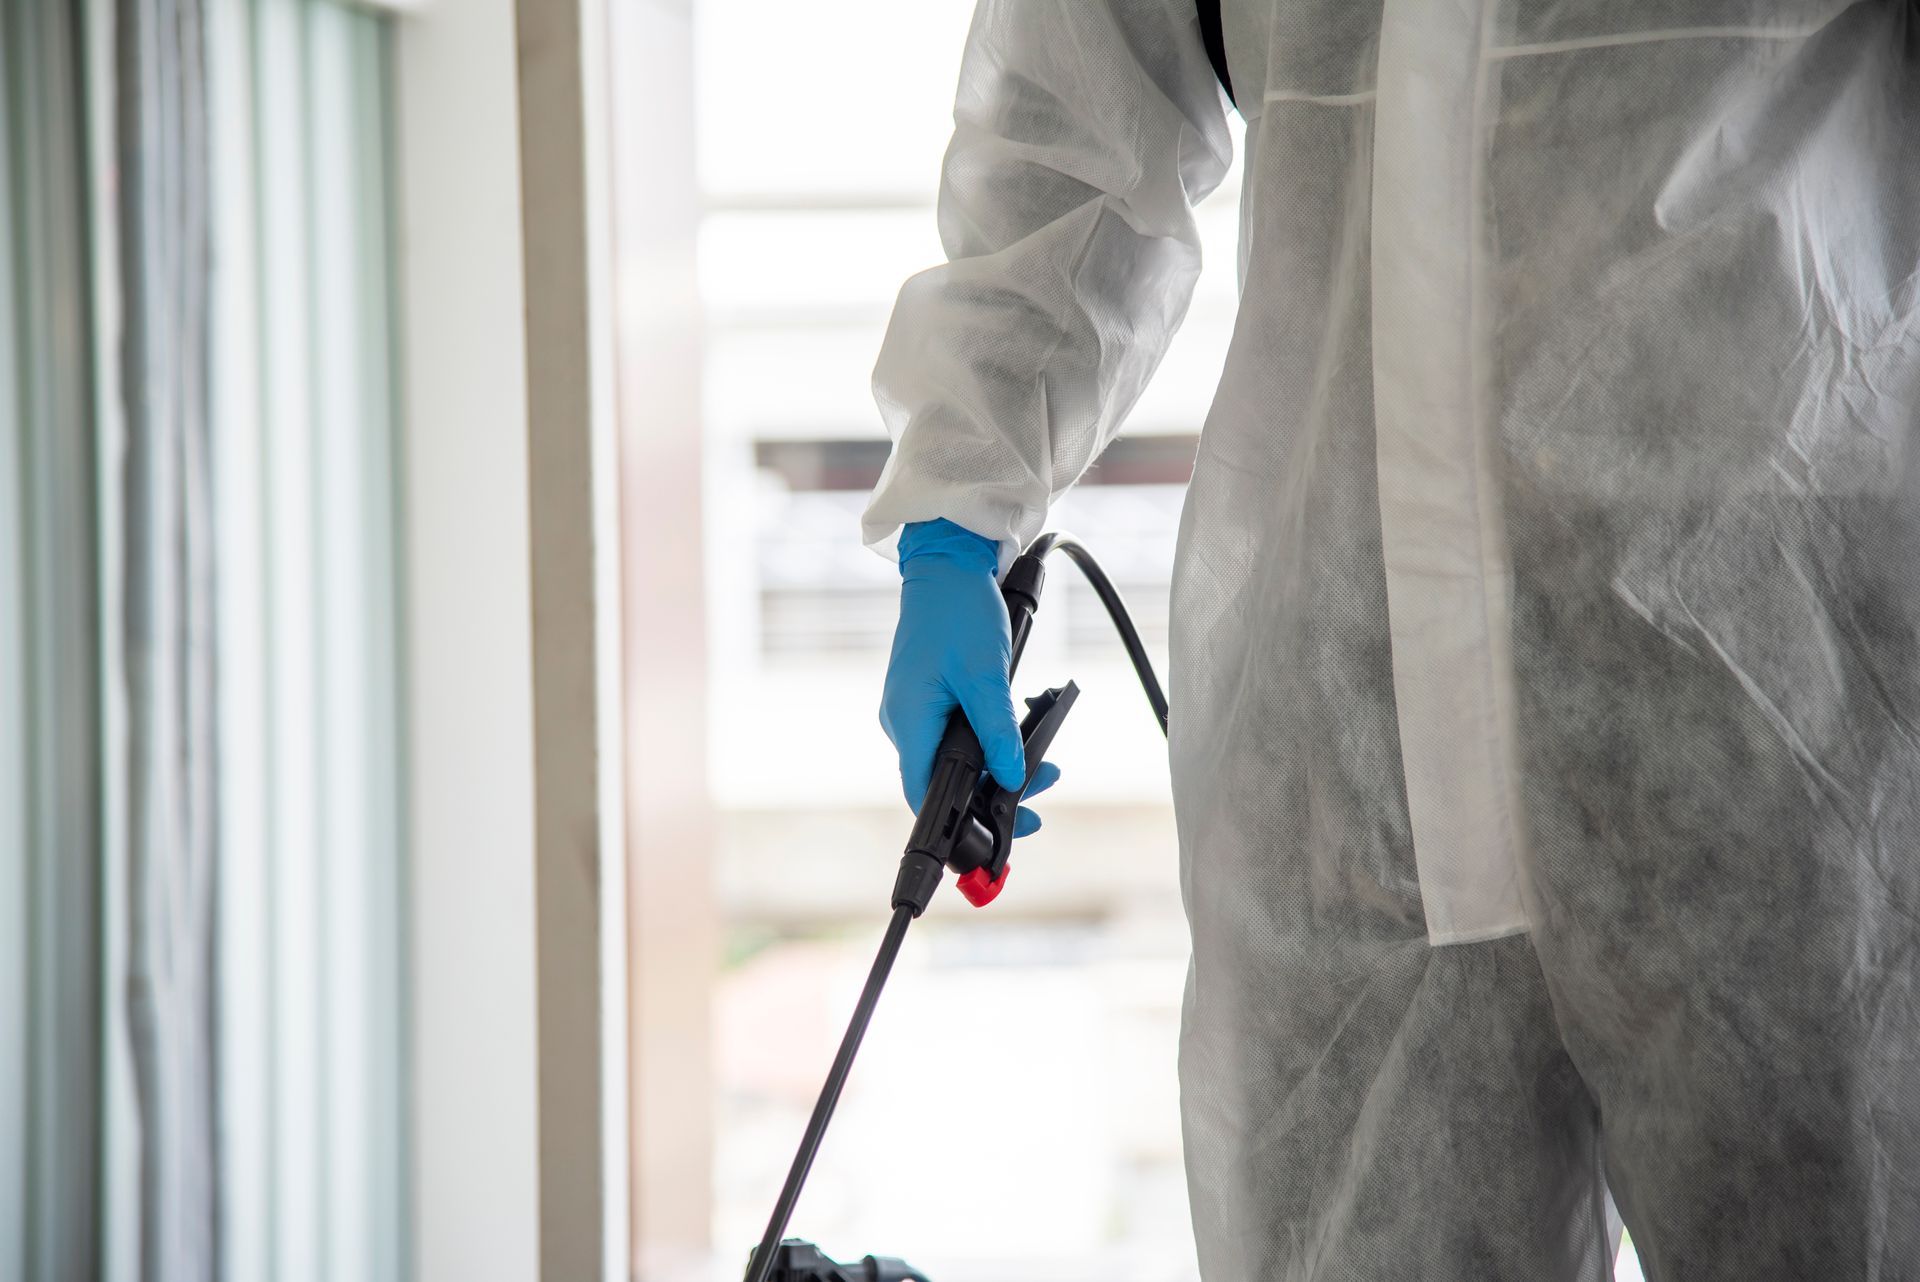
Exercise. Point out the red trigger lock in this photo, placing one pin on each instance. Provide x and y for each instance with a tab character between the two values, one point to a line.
979	891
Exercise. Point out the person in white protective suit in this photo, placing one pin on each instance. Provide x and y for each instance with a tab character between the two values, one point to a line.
1546	617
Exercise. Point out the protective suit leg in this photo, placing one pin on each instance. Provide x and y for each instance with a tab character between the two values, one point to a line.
1418	1120
1724	835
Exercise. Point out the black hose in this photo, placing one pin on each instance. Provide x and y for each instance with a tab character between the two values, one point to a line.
1110	597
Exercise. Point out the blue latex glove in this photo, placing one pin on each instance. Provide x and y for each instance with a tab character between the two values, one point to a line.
951	649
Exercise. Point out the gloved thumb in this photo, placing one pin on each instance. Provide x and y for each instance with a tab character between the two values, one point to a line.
989	708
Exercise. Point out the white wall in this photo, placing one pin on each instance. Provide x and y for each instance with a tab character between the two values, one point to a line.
468	651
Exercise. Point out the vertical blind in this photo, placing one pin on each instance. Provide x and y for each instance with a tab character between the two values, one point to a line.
305	441
50	966
200	865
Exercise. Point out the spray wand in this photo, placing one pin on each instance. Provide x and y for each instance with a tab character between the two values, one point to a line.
965	825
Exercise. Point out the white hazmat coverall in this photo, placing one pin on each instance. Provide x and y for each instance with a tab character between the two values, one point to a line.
1546	616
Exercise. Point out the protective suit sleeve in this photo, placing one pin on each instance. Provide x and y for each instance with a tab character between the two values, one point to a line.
1085	130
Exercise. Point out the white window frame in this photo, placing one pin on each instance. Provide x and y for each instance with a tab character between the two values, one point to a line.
517	889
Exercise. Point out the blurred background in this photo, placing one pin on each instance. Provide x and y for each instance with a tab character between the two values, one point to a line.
444	822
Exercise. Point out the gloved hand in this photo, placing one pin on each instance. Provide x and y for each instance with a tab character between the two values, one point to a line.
951	648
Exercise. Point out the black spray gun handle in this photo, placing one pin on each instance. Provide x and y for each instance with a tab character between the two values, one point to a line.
966	823
981	852
966	817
